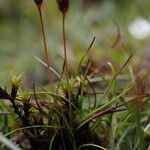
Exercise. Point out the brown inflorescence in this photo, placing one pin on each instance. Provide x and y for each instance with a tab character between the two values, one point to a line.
38	2
63	5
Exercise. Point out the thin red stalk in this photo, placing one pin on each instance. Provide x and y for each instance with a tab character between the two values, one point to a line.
101	113
44	42
65	48
65	69
109	110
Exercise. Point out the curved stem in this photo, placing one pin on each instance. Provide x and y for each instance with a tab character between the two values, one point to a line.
44	42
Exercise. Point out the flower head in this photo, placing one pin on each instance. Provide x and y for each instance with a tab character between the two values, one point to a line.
38	2
63	5
15	80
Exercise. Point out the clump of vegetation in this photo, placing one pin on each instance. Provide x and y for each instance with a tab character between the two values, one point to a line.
83	110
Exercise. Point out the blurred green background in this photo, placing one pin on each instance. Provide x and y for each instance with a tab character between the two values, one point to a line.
20	37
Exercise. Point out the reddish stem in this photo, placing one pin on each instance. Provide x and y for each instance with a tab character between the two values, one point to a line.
44	42
65	48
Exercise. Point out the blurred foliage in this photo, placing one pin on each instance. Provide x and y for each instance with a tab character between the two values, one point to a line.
20	37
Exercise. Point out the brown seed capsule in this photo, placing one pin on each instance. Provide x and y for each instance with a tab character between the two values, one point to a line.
63	5
38	2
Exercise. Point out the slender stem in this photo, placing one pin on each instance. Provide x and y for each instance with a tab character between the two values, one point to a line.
65	69
65	48
44	42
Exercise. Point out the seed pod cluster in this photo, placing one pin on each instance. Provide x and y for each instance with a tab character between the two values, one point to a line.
38	2
63	5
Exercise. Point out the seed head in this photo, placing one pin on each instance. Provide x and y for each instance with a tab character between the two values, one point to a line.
63	5
38	2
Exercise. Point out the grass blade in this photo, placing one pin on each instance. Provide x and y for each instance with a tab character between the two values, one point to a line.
8	143
91	145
